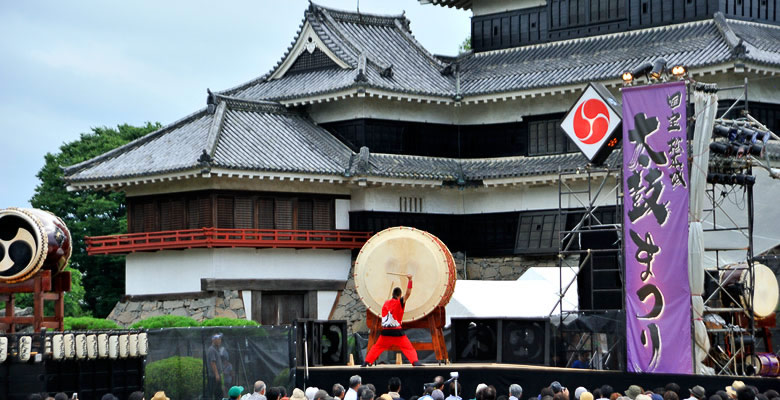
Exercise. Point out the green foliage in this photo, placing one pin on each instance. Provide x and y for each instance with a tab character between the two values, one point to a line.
465	46
222	321
88	213
73	299
89	324
179	377
282	378
165	321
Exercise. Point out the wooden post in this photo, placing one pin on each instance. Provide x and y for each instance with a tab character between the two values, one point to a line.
43	288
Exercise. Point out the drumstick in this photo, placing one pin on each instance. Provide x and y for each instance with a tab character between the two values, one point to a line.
396	273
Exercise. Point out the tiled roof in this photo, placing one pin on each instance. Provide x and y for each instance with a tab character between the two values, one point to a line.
462	4
453	169
693	44
393	60
386	40
265	136
251	136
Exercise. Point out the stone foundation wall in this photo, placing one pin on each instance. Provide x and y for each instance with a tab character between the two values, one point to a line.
225	303
350	308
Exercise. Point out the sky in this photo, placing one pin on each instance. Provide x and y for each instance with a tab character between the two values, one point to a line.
66	67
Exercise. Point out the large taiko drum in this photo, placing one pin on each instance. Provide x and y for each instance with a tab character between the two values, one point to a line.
388	256
736	282
31	240
765	364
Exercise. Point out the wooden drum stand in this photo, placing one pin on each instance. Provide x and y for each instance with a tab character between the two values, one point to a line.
44	288
433	322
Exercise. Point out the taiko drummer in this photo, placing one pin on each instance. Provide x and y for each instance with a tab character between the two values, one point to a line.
392	333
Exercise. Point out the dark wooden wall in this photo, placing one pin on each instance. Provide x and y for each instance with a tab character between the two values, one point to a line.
240	210
565	19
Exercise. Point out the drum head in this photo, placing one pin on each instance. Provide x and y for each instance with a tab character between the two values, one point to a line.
22	246
389	255
766	291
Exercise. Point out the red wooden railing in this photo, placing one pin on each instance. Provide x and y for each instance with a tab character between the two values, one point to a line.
219	237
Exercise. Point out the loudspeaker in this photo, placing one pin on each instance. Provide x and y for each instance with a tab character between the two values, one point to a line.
326	341
502	340
599	285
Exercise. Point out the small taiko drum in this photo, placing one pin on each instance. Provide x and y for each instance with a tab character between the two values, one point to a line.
386	259
31	239
736	283
765	364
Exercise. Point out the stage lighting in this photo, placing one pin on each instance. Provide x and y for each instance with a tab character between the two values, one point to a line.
726	131
757	150
658	68
679	71
642	69
627	77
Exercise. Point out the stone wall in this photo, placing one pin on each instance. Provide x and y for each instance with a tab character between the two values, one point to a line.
506	268
223	303
350	308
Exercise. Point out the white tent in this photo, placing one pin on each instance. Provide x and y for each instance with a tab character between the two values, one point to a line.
534	294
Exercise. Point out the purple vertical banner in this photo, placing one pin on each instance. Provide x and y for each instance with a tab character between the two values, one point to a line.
655	222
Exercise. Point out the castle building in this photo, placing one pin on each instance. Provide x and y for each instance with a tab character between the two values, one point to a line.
256	204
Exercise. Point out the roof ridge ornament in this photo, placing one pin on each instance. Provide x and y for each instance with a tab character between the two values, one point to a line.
361	69
211	101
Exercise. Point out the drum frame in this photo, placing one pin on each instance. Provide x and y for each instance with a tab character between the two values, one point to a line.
433	322
44	287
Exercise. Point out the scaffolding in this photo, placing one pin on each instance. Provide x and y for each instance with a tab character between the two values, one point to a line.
731	286
586	206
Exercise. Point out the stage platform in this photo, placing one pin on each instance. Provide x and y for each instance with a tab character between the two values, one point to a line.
532	378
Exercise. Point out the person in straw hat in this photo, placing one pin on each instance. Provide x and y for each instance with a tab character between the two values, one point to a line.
160	396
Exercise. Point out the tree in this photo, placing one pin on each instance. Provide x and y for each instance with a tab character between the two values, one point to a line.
90	213
465	46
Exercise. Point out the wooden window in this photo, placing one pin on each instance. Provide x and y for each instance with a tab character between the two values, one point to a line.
283	214
225	212
537	233
244	213
410	204
150	217
199	212
305	214
137	217
172	215
546	137
323	214
265	211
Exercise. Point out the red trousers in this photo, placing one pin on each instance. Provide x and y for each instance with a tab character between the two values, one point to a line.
385	342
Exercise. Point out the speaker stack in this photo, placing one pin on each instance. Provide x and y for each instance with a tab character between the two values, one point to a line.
599	286
501	340
325	342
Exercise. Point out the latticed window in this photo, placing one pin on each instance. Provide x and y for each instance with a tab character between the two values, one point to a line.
230	210
311	61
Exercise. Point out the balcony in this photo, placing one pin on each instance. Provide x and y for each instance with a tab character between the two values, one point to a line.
207	238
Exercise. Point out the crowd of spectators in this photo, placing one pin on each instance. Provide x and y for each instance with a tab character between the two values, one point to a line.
444	390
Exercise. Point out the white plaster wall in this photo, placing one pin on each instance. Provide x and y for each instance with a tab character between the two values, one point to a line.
342	213
325	301
479	200
482	7
181	271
